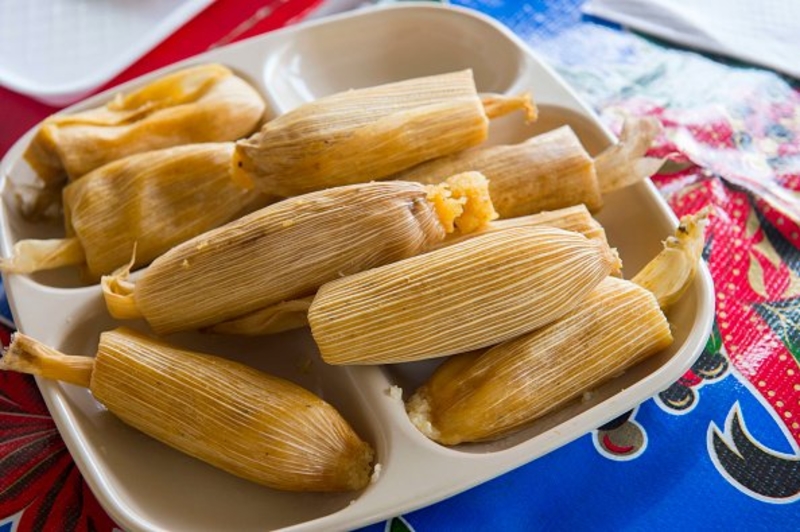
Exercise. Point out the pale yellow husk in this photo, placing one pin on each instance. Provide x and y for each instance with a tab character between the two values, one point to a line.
253	425
284	316
118	292
286	251
546	172
33	255
205	103
154	200
367	134
551	170
466	296
26	355
625	163
294	314
486	395
671	273
497	105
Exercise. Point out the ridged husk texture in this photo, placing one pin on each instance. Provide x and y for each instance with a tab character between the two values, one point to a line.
154	200
243	421
366	134
205	103
487	394
546	172
466	296
576	218
149	202
551	170
246	422
286	251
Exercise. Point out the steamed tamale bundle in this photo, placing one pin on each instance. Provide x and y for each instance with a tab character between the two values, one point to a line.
293	314
486	394
458	298
551	170
289	249
371	133
205	103
483	395
149	201
248	423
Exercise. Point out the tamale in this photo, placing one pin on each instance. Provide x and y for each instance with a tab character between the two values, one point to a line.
287	250
487	394
243	421
366	134
551	170
205	103
153	201
458	298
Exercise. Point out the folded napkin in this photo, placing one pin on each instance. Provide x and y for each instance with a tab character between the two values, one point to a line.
763	32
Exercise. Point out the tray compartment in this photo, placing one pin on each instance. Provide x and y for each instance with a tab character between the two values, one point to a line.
371	49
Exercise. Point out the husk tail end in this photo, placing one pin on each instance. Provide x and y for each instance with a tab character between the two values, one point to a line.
26	355
672	271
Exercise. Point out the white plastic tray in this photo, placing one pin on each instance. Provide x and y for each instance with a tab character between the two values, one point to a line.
145	485
60	50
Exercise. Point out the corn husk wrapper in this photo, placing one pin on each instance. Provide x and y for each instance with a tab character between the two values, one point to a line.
287	250
205	103
550	171
486	395
625	162
546	172
671	273
366	134
153	201
253	425
293	314
33	255
285	316
470	295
